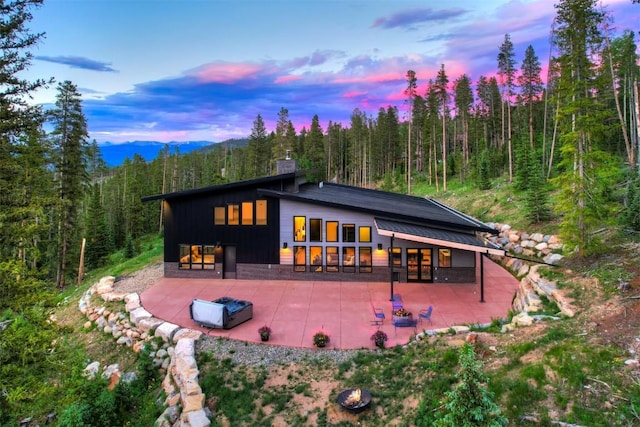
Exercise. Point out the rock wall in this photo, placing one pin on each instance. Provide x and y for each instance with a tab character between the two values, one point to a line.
542	247
175	359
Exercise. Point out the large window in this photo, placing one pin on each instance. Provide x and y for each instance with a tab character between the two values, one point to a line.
261	212
333	258
219	217
348	258
299	231
364	259
348	232
233	214
315	254
364	234
444	257
247	213
299	258
315	230
197	257
332	231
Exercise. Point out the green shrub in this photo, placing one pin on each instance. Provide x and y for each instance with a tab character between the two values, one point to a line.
470	403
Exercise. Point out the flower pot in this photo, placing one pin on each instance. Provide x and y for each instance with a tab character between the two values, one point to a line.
264	337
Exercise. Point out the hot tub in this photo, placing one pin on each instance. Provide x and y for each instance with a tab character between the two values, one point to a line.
225	312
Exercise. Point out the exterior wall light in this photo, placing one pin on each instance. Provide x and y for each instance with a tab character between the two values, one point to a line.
285	245
379	246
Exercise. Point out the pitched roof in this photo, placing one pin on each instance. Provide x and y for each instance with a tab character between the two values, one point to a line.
223	187
421	210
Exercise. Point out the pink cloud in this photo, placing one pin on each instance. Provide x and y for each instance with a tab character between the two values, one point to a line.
354	94
227	73
287	79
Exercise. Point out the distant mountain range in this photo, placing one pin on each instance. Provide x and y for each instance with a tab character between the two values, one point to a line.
114	154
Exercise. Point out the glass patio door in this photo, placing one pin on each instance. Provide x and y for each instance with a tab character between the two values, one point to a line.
419	266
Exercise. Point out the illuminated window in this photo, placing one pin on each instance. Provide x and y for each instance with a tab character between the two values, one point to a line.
261	212
332	231
348	232
219	215
185	257
197	257
315	230
209	257
299	232
397	257
315	255
299	258
333	258
233	214
348	258
247	213
364	234
444	257
364	259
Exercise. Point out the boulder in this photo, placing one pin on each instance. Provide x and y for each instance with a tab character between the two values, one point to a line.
92	370
186	333
138	314
197	419
166	331
148	324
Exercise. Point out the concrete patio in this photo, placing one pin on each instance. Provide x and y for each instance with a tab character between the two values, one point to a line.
295	310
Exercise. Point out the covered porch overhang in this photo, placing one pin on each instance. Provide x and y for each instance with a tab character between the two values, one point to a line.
434	236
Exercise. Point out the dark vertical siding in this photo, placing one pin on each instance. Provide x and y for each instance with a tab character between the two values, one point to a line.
189	220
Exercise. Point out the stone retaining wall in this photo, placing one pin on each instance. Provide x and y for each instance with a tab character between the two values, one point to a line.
543	247
185	400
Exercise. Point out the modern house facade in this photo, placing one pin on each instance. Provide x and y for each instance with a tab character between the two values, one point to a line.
282	227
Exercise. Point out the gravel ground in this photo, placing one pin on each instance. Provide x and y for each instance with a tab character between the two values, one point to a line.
240	352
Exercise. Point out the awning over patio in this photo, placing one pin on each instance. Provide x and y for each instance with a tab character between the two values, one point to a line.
434	236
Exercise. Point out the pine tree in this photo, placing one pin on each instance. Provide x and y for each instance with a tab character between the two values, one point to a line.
258	152
410	93
631	213
579	40
24	182
314	151
441	87
537	201
464	101
70	142
470	404
530	86
98	238
507	73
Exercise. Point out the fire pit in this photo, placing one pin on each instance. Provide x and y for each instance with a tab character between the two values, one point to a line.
354	399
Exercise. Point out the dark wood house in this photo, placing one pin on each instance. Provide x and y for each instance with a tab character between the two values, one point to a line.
281	227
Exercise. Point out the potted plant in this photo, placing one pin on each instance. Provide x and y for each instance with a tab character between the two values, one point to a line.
379	338
264	332
320	339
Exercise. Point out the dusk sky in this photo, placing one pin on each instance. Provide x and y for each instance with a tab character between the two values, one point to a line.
169	70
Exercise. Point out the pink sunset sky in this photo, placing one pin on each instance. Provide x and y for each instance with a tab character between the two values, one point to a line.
203	70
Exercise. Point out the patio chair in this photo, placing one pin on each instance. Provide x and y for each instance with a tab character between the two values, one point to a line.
425	314
396	302
378	316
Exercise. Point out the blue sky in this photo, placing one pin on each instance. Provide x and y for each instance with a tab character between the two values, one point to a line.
170	70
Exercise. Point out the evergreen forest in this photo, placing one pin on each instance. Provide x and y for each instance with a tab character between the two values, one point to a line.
568	140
